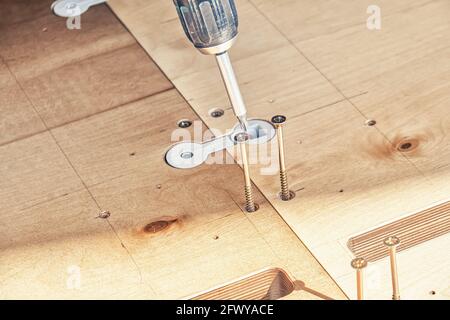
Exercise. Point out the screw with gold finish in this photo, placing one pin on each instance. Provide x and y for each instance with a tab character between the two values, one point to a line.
285	193
359	264
392	243
241	139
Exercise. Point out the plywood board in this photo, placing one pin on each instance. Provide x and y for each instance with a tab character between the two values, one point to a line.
18	117
350	177
71	74
108	155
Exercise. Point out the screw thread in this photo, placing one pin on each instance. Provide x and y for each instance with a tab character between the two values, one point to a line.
249	202
285	193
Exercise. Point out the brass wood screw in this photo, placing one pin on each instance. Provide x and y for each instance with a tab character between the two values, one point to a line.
241	139
359	264
392	243
285	193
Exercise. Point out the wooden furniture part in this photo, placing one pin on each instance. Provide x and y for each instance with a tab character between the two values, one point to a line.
102	116
367	137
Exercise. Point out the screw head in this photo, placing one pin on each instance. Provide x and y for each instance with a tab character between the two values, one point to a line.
217	112
104	214
241	137
278	119
359	263
184	123
392	241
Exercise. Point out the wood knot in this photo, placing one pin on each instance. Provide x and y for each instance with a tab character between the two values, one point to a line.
407	144
157	226
400	144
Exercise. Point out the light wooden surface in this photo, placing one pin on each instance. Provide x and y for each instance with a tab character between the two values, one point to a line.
317	63
88	118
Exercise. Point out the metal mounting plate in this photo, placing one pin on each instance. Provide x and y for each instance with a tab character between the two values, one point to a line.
187	155
73	8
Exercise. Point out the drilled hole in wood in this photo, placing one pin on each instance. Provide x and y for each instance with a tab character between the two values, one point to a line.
370	123
291	196
256	209
342	190
216	237
158	186
432	292
216	112
132	154
184	123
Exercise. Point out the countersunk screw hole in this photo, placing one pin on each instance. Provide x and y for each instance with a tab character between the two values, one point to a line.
104	215
291	196
158	186
216	237
184	123
371	123
432	292
216	113
256	209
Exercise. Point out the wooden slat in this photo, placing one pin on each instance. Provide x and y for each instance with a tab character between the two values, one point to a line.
412	230
270	284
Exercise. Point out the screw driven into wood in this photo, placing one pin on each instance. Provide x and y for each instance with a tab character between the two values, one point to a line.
241	139
285	193
359	264
392	243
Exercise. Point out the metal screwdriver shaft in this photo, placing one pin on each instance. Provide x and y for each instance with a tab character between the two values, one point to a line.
392	243
212	27
241	139
285	193
359	264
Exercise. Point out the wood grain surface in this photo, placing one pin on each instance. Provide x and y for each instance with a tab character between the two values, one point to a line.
367	137
86	117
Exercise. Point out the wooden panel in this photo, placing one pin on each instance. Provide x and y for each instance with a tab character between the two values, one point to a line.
350	177
54	184
334	35
34	171
71	74
414	116
45	247
18	118
18	11
130	179
50	226
413	230
289	85
95	84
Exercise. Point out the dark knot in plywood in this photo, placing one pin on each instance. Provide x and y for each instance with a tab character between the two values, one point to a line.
157	226
407	144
